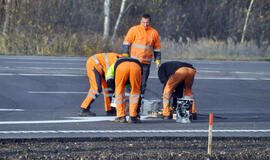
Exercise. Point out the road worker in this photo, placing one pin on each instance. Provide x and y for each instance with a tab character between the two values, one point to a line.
176	76
97	65
141	42
126	70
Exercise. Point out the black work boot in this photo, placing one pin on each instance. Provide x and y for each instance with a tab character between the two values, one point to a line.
121	119
134	120
86	113
194	116
111	112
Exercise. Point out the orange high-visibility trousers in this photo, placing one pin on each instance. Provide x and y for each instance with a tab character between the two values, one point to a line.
185	74
97	83
127	71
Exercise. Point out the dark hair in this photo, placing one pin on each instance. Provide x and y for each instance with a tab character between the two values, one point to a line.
146	16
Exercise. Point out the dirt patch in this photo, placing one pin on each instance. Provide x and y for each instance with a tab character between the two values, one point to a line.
135	148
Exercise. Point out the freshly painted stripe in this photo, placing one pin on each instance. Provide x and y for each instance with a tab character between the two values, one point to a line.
132	131
7	110
70	120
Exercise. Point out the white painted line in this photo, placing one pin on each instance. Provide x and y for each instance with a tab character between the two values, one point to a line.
54	92
151	77
43	58
224	78
7	74
132	131
73	120
201	71
238	72
53	75
8	110
46	63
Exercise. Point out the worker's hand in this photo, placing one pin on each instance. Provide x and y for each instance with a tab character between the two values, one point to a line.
157	65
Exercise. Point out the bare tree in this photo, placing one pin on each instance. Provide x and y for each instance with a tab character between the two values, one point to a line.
7	17
120	15
246	21
107	6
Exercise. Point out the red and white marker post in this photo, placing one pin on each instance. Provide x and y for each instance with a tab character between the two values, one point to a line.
210	134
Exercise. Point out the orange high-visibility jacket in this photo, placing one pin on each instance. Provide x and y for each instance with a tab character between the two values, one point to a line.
105	60
140	43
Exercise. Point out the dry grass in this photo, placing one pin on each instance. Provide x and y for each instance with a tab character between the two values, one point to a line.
52	44
212	49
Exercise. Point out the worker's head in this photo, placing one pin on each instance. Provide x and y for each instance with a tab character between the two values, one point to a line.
145	21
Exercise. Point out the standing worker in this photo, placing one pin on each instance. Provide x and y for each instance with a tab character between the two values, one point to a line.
140	43
96	66
125	71
176	76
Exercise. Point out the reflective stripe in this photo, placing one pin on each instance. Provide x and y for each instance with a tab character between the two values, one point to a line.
97	62
135	96
90	95
141	46
166	101
156	50
107	61
126	43
107	95
117	102
119	96
167	95
93	91
134	57
188	97
134	101
107	89
109	77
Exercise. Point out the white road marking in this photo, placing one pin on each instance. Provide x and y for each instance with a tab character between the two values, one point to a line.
133	131
151	77
8	110
43	59
200	71
73	120
43	74
54	92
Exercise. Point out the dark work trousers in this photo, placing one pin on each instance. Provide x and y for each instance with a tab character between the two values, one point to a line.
178	93
145	75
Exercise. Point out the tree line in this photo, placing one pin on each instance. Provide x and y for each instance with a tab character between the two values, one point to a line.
238	20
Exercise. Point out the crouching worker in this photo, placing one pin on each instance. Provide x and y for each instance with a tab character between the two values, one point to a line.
176	76
125	71
96	67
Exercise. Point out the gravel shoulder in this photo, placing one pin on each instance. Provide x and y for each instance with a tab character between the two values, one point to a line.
135	148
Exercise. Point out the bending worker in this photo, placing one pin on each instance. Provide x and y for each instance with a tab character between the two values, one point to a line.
125	71
140	43
176	76
96	67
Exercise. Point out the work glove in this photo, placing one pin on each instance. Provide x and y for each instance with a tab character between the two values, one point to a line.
125	54
157	65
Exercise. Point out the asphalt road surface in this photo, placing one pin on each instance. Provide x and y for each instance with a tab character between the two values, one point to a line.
41	97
